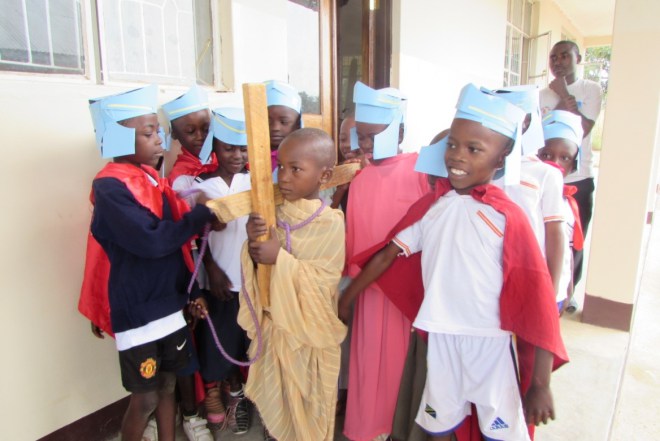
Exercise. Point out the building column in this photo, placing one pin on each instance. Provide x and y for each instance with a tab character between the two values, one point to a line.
628	166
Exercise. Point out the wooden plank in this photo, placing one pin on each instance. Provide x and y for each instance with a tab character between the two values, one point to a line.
240	204
262	195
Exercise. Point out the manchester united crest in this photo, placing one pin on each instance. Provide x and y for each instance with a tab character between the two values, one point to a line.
148	368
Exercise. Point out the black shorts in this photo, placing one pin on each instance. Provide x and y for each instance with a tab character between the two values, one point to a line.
141	365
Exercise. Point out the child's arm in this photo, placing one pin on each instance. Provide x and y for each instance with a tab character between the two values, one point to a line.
537	404
554	250
120	218
378	264
218	279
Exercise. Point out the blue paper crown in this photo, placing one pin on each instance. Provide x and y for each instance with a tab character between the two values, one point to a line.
376	106
193	100
527	98
228	125
431	159
279	93
563	124
113	139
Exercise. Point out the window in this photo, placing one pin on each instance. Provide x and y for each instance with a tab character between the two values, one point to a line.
140	40
150	40
518	29
41	36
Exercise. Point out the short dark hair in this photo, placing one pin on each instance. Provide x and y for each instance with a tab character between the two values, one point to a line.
573	45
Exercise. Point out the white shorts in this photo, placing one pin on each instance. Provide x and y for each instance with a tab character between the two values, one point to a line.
479	370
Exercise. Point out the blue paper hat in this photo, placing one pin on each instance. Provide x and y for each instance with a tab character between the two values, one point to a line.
227	125
382	106
431	159
563	124
279	93
527	98
193	100
113	139
499	115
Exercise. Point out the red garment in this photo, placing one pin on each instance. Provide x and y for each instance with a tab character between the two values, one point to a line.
93	302
527	301
578	235
188	164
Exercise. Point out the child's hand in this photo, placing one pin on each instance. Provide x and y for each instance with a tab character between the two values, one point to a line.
216	225
198	308
202	199
256	227
220	283
98	332
265	252
538	405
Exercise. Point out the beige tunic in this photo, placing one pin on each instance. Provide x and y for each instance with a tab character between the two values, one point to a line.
294	383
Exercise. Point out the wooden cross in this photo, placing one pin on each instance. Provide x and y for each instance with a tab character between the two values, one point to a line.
264	195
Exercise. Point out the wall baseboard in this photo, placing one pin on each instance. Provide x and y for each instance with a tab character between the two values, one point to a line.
607	313
97	426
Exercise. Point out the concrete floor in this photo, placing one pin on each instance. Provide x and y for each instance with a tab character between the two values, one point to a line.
609	391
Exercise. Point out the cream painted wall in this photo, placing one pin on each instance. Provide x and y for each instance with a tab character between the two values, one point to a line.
441	47
54	370
629	158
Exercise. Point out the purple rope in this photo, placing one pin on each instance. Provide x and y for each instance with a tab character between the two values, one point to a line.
209	322
289	228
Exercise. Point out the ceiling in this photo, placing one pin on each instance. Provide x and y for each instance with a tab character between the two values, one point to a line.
593	18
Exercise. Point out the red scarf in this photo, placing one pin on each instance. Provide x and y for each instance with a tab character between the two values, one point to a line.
527	300
578	235
93	302
188	164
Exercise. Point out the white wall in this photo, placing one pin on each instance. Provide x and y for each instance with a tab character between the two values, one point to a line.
443	46
54	371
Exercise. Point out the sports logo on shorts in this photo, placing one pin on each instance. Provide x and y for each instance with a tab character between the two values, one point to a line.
498	423
148	368
431	411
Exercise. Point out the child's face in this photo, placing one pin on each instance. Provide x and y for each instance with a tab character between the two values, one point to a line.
473	154
563	60
345	139
366	133
282	120
299	173
148	144
231	158
560	151
191	130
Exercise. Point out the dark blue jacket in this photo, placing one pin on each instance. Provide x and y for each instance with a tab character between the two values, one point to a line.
148	276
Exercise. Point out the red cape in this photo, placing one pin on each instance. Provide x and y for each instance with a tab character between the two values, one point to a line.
527	301
188	164
93	302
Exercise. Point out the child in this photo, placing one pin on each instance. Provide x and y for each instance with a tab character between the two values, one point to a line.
563	133
380	195
189	124
230	147
294	383
340	195
284	113
539	191
139	222
478	244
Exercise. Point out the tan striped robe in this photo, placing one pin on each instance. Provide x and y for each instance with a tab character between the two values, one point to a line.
294	383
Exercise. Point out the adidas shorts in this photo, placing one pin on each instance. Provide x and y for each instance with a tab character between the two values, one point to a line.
480	370
140	365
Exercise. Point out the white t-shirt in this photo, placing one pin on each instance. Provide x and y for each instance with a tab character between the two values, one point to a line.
539	194
461	266
183	183
589	97
225	245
